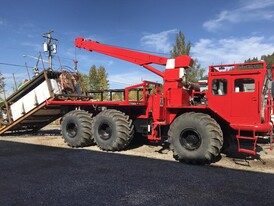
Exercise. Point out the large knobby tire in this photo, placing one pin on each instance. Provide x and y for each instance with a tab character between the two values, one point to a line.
112	130
195	138
76	128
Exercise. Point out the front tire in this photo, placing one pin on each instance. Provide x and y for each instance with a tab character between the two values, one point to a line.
195	138
76	128
112	130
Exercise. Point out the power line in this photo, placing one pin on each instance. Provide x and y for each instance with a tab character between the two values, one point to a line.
9	64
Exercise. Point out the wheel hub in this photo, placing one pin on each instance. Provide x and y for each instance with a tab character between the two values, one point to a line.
190	139
72	130
105	131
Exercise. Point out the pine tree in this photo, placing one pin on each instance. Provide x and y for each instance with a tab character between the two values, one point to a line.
182	47
102	78
269	59
98	78
254	59
196	72
83	81
93	80
2	83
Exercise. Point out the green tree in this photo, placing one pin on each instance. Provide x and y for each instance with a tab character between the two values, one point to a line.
102	80
181	47
196	72
269	59
117	96
98	78
2	83
93	80
254	59
83	81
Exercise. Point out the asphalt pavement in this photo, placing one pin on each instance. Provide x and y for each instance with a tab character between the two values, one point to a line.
43	175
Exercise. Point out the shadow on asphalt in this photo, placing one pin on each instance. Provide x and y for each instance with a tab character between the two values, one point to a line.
48	132
244	159
43	175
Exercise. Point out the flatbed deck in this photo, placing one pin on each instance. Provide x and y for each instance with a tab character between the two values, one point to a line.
44	99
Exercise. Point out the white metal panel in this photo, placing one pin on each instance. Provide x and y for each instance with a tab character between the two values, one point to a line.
182	72
16	109
42	92
34	98
28	101
55	86
170	64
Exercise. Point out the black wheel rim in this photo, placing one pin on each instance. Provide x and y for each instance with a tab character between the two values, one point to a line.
190	139
105	131
72	130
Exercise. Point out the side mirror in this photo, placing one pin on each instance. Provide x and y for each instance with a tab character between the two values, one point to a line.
272	89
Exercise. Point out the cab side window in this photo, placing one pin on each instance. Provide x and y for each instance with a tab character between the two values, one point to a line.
219	87
244	85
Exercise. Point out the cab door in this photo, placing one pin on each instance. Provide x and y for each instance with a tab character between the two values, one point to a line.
245	102
219	96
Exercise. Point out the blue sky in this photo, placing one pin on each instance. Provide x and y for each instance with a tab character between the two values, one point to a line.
220	32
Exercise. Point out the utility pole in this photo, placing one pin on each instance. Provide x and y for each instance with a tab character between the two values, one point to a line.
50	47
40	56
27	70
15	84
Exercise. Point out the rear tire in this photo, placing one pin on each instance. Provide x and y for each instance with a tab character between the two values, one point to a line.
195	138
112	130
76	128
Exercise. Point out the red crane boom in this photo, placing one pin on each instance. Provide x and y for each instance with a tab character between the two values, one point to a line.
135	57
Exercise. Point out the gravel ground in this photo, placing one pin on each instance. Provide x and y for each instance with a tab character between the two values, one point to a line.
42	170
263	162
